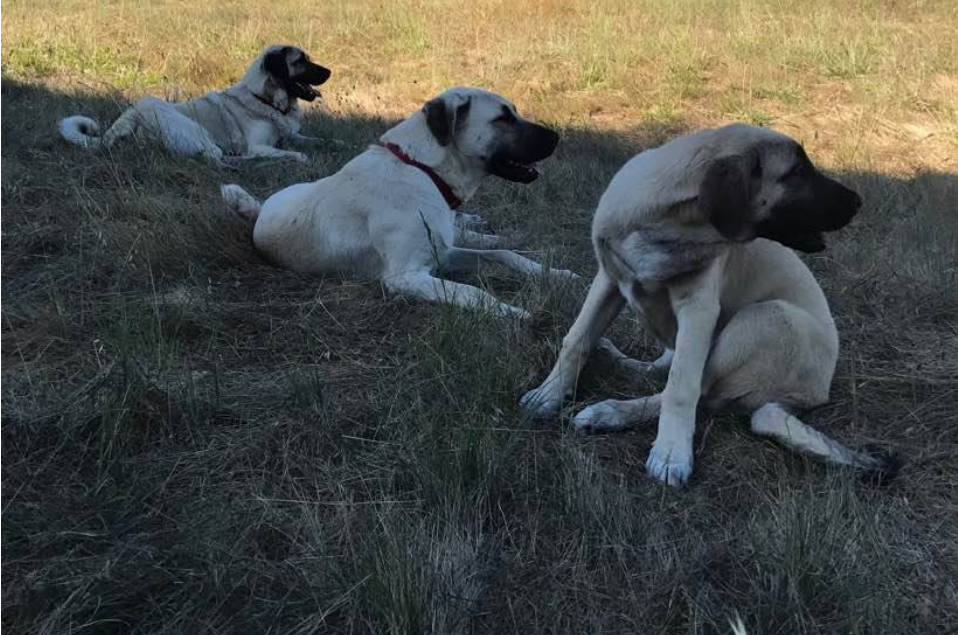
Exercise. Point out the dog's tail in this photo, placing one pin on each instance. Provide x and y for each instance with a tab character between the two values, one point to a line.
241	202
85	132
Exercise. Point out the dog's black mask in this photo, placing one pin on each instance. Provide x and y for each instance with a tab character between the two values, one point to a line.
523	144
299	84
811	205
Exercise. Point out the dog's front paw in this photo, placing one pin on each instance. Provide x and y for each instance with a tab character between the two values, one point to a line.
670	462
214	155
480	241
318	142
304	140
503	310
604	416
299	157
541	402
564	274
516	312
561	274
471	220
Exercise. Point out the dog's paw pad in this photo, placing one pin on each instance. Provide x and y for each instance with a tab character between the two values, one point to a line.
672	468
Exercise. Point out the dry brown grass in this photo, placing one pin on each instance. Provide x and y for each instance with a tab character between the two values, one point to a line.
194	441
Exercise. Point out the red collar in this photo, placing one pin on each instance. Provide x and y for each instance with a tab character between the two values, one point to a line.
262	99
444	188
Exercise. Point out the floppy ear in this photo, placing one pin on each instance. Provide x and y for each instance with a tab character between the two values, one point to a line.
442	120
275	64
725	199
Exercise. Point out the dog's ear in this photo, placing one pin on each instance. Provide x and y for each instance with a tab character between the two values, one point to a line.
443	121
275	65
725	196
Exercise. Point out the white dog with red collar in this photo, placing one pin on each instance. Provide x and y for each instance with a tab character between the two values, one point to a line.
388	213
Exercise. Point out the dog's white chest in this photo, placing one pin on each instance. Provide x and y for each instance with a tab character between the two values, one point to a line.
262	133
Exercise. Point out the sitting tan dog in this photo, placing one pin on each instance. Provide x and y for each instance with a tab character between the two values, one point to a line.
695	236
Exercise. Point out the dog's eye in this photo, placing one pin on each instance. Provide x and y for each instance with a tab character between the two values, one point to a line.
797	170
505	117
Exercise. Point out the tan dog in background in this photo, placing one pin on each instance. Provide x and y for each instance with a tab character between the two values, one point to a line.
244	121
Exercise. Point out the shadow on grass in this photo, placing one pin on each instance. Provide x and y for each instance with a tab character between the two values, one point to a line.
194	440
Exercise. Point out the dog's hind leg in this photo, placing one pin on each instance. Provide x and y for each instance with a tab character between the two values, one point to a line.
422	285
613	415
633	368
772	420
241	202
772	356
459	259
124	126
176	131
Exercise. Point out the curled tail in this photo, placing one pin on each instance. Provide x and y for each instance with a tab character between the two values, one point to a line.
85	132
241	202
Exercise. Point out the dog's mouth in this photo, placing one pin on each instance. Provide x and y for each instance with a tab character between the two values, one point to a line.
518	160
802	224
807	239
303	91
513	170
810	242
301	86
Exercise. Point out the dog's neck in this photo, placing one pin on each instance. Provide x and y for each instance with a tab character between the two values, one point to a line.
265	89
283	110
444	188
413	138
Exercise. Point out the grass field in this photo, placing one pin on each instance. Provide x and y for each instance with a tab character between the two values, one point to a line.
194	441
